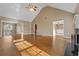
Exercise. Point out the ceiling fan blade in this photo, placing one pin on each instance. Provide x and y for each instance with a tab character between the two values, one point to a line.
34	9
35	6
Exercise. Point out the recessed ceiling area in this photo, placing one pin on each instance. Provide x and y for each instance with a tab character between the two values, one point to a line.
19	11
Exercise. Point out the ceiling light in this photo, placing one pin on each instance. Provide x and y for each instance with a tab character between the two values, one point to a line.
31	9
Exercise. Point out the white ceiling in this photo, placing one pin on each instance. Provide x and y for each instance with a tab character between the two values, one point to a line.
18	11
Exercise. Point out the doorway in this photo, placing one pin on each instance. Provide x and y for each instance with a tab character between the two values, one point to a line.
58	34
8	30
35	32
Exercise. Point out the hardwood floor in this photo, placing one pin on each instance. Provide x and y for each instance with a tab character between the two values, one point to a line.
7	48
27	49
45	43
31	46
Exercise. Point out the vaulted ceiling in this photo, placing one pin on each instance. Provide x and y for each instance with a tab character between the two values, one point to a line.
19	11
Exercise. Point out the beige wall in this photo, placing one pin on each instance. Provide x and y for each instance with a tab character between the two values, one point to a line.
45	18
26	25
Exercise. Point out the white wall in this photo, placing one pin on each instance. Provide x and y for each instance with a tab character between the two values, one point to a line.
22	26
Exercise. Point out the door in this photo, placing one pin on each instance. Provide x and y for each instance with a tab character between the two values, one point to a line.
35	31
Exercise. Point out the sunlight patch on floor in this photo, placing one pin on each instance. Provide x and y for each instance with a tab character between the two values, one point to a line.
22	45
27	49
14	41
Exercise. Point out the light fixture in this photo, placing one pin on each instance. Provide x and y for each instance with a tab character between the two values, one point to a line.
32	7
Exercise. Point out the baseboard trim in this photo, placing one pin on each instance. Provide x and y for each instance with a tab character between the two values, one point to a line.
67	37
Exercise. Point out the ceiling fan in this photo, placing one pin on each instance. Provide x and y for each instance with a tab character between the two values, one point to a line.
32	7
